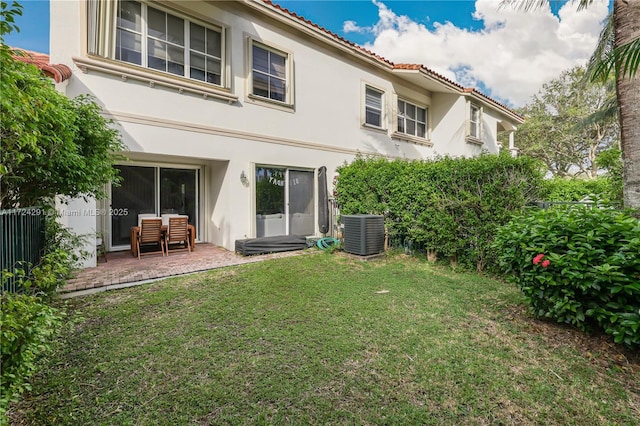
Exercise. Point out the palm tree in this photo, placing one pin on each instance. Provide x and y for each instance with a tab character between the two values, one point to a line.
622	57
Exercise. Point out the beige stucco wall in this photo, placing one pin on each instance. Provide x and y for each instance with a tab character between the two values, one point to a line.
160	124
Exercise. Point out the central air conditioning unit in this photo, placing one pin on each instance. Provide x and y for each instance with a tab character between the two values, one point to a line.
363	234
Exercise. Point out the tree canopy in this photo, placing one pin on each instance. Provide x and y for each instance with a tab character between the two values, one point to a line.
618	53
51	145
563	129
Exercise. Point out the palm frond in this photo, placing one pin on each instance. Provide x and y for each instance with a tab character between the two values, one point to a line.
583	4
603	50
528	5
623	60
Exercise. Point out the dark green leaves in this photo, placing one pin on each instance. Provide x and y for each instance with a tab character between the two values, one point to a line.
452	206
593	279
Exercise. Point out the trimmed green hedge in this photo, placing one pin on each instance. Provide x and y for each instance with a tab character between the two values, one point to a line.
565	189
577	265
450	205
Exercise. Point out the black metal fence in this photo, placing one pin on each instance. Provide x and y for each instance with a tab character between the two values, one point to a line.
548	204
22	238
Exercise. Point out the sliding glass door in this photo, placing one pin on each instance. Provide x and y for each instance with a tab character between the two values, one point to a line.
301	217
151	190
284	202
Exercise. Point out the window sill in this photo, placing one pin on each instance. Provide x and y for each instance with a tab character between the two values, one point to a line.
259	100
374	128
413	139
141	74
473	140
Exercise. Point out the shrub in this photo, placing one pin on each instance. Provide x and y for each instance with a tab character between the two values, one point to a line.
564	189
450	205
577	265
27	329
28	324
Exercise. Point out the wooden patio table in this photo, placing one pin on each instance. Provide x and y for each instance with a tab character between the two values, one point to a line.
136	229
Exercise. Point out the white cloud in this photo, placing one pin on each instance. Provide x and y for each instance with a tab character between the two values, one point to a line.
512	55
352	27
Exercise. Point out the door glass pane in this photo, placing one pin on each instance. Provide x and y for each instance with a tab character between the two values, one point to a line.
178	192
270	208
301	211
135	195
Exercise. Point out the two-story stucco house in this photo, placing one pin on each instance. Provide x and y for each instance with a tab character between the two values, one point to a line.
229	108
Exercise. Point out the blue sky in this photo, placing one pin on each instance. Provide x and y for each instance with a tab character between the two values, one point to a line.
505	53
331	14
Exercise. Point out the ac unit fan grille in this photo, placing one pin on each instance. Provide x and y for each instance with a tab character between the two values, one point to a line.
363	234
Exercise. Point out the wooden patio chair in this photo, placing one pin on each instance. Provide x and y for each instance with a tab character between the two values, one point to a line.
150	233
178	232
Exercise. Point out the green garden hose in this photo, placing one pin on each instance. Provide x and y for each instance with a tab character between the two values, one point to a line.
325	243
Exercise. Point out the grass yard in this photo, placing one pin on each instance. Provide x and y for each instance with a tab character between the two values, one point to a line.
326	339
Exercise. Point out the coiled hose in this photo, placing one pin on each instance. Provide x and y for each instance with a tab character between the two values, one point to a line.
326	243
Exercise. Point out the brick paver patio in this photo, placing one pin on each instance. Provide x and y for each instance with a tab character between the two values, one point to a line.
122	269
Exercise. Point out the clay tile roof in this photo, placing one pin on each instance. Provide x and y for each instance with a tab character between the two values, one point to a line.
59	72
394	66
324	30
428	71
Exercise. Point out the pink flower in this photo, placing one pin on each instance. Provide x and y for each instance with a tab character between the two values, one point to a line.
538	259
546	263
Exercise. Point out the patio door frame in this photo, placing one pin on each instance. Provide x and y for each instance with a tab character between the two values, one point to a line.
157	166
286	169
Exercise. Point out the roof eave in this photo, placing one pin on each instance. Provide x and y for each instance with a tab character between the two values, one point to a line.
285	16
479	96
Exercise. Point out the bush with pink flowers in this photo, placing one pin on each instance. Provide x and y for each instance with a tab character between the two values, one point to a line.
577	265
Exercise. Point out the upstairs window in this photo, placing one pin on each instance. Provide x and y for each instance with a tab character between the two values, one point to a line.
156	39
373	107
412	119
475	122
270	73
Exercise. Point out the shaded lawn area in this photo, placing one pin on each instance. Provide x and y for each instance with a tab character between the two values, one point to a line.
311	340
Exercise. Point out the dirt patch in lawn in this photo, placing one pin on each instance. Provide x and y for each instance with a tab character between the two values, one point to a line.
597	347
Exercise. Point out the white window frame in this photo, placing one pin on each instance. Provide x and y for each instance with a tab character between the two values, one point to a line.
474	137
403	116
145	37
381	110
288	79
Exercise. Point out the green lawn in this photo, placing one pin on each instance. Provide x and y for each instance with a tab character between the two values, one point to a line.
326	339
